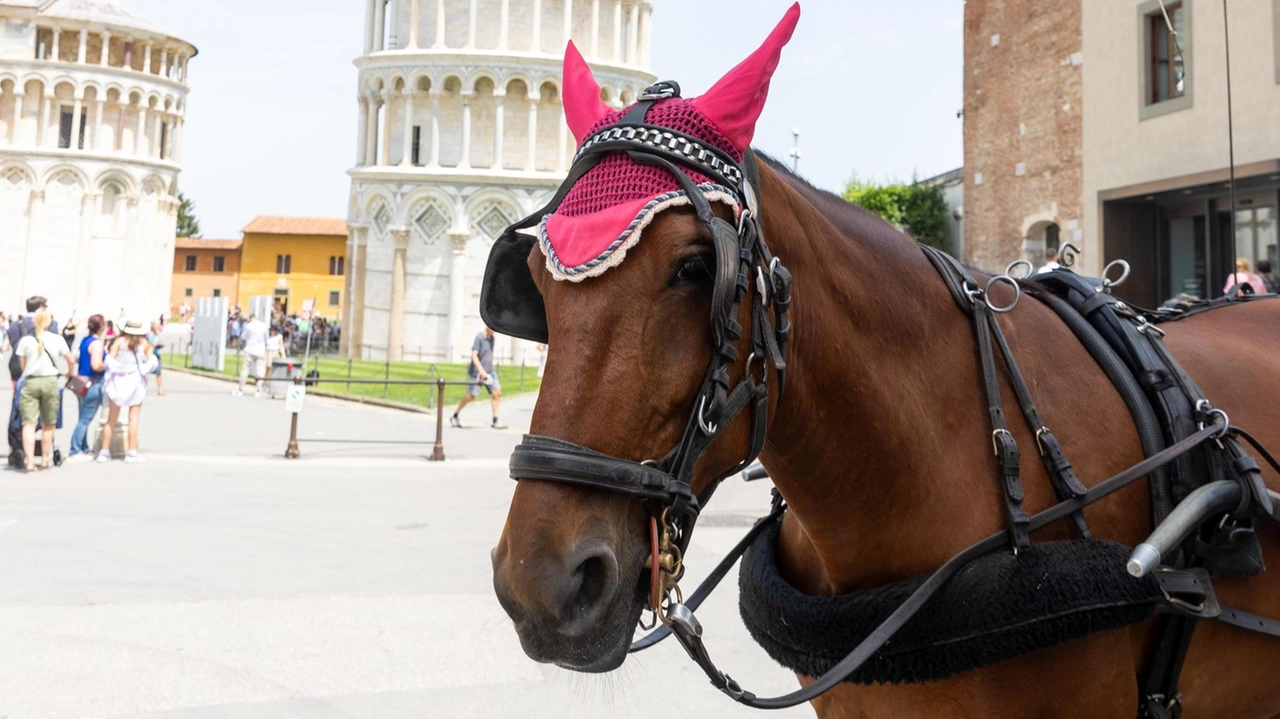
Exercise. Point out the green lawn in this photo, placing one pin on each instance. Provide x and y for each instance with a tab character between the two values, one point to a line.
421	395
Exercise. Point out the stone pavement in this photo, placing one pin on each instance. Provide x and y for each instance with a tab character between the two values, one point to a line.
219	580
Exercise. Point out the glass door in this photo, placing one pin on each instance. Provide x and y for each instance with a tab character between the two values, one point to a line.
1256	236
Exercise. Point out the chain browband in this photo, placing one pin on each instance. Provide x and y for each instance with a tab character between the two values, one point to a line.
665	486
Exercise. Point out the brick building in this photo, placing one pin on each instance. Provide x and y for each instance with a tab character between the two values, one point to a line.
1090	121
1023	137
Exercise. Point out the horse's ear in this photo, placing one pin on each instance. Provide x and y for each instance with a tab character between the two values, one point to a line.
583	107
736	101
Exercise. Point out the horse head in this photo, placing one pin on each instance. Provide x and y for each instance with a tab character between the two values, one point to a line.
635	368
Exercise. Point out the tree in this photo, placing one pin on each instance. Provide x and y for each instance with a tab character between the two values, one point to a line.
188	225
919	210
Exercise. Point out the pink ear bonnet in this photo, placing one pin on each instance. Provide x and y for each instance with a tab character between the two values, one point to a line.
608	208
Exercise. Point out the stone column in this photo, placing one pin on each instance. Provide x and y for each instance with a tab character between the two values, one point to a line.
499	116
77	111
465	161
568	22
633	34
362	133
504	16
84	45
531	159
42	133
84	256
439	44
563	147
106	49
57	35
646	30
371	130
457	292
471	25
344	347
415	15
95	126
407	160
390	15
177	139
395	323
354	329
384	150
146	59
164	62
128	53
595	30
435	129
15	133
536	44
369	18
140	134
35	230
379	26
617	30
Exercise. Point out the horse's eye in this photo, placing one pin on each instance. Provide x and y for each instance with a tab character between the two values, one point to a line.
693	269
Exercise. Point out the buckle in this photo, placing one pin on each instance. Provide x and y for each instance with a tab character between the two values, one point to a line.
660	91
1187	592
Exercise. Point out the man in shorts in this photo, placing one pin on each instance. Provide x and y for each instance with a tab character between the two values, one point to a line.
480	372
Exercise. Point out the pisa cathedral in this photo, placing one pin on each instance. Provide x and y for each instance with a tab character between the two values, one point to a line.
461	132
92	104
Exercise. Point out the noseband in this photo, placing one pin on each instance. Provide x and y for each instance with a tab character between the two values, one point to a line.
511	304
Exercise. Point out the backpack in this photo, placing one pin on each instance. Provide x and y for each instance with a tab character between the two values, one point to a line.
15	361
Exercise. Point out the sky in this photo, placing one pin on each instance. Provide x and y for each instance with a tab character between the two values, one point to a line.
873	87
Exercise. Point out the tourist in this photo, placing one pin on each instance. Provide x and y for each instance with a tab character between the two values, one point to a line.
253	354
1050	261
38	390
1268	279
92	367
111	330
20	327
128	362
1242	276
155	339
480	372
275	345
69	330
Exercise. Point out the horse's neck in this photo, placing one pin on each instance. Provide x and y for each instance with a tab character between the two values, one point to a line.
872	413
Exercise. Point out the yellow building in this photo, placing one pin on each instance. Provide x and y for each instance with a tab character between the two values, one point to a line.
295	260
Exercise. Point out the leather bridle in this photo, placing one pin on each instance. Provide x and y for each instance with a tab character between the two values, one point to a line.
665	486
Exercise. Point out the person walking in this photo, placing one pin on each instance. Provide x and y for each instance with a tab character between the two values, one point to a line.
1242	276
92	367
480	372
1268	279
155	338
38	396
253	354
1050	261
128	363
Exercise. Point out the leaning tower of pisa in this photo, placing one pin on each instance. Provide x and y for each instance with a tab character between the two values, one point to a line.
461	132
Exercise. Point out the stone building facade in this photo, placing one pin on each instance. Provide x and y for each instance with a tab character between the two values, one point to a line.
1023	129
92	105
461	132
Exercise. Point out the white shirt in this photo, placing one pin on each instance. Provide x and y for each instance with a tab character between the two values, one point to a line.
1048	267
254	336
39	364
273	344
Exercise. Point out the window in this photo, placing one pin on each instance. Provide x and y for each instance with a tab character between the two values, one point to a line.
1166	74
417	145
64	129
190	263
337	265
219	264
342	265
284	264
335	298
217	292
187	292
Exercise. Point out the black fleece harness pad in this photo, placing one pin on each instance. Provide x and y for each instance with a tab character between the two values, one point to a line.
998	607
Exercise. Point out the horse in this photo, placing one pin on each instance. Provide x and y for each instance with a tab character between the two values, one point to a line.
879	446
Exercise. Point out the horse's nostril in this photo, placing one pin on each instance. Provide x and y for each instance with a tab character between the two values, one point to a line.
593	583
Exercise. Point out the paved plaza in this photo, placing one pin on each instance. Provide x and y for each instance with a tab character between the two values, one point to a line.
219	580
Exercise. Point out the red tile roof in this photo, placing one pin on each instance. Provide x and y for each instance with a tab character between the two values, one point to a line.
192	243
273	225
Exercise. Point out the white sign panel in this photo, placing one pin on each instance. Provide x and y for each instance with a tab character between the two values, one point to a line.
294	397
209	335
260	307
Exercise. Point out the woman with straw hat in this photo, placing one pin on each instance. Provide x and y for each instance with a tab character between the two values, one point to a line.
128	363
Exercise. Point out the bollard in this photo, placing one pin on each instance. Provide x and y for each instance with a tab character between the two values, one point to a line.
437	454
291	452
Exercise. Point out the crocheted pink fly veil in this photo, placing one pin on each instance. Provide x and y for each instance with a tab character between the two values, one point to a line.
608	208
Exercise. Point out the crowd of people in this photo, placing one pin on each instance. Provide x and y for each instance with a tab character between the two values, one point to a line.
295	331
110	366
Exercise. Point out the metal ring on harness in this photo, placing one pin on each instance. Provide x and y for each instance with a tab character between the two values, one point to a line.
1107	282
708	428
1017	294
1031	269
1067	254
